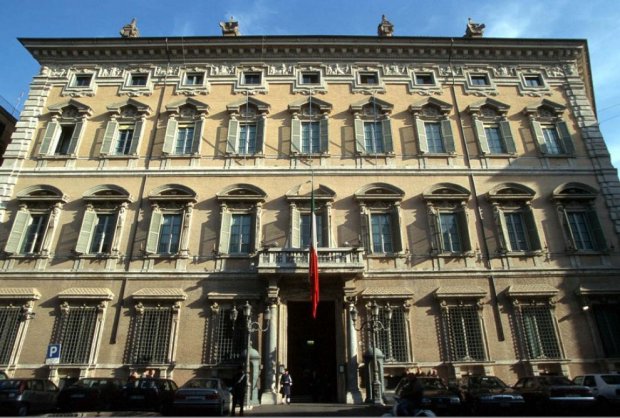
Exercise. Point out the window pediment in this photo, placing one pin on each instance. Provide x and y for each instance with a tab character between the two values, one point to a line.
379	191
173	192
511	191
460	292
242	192
83	293
446	191
188	108
372	106
71	109
317	106
259	106
531	290
302	192
130	108
545	108
430	107
16	293
154	293
106	193
575	191
41	193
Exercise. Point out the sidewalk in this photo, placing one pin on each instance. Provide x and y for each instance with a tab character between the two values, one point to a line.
318	410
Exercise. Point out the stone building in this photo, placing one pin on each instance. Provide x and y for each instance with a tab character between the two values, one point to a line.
154	186
7	126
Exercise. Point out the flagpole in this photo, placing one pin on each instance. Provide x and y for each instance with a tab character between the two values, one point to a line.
313	259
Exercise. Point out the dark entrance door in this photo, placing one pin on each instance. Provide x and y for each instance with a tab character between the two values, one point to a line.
312	352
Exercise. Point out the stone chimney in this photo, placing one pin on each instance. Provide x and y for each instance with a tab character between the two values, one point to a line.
230	28
385	28
130	30
474	30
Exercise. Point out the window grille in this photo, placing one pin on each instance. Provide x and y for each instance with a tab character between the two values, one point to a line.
228	341
10	317
539	332
152	335
465	333
76	334
393	341
607	318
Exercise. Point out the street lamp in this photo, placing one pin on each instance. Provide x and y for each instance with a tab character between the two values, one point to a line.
251	327
374	325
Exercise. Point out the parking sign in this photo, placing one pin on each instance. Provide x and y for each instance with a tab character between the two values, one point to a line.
53	354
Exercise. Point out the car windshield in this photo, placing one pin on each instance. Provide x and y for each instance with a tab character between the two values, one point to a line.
201	384
487	382
9	384
611	379
93	383
555	381
433	384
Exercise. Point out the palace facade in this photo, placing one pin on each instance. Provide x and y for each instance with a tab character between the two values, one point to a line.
154	185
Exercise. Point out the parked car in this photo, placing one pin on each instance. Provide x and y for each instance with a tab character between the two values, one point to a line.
24	396
555	395
605	388
489	395
92	394
3	375
199	395
148	394
437	397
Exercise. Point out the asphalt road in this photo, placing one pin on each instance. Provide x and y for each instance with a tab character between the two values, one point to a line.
317	410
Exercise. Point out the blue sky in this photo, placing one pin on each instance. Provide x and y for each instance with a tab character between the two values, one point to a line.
594	20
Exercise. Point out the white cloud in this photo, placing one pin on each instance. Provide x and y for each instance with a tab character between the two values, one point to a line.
254	19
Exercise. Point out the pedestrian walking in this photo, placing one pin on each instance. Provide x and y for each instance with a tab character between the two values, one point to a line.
286	381
238	391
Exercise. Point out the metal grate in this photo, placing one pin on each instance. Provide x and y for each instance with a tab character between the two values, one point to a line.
465	331
228	341
539	332
152	335
393	341
76	334
608	322
9	325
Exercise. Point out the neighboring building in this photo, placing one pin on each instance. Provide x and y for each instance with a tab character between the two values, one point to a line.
7	127
153	184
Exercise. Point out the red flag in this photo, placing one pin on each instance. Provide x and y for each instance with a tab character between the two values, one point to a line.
313	259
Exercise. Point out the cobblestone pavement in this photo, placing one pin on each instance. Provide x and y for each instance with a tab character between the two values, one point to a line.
317	409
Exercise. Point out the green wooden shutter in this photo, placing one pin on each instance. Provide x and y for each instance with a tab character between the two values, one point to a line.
539	136
261	125
171	136
396	230
509	142
567	229
435	229
566	138
197	139
75	137
152	241
138	130
327	239
226	222
483	142
295	136
421	131
51	133
360	137
461	216
532	231
324	134
366	232
111	133
18	232
386	125
233	136
295	228
446	135
597	231
502	231
89	222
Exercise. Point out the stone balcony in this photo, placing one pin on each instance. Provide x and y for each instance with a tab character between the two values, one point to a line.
347	261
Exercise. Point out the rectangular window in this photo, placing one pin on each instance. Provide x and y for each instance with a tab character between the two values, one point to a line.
517	234
304	219
450	234
77	330
123	144
35	232
83	80
495	140
229	340
382	239
393	341
185	140
581	230
247	139
533	81
170	233
240	234
310	137
369	78
194	79
480	80
64	141
373	135
151	337
138	79
424	79
252	78
10	319
539	332
607	318
465	331
552	140
310	78
103	234
434	138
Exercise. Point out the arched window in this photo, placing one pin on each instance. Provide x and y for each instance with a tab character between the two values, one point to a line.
492	127
447	214
185	126
125	128
309	126
549	129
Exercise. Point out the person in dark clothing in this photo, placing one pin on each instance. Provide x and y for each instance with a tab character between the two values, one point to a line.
286	381
238	391
411	396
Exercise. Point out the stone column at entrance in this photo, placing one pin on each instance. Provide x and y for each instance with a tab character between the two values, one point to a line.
353	391
270	394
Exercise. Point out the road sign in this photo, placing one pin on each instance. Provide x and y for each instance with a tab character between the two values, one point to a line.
53	354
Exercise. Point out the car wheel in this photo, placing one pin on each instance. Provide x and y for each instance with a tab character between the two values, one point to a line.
22	410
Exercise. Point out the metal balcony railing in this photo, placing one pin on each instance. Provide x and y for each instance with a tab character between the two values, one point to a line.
333	260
